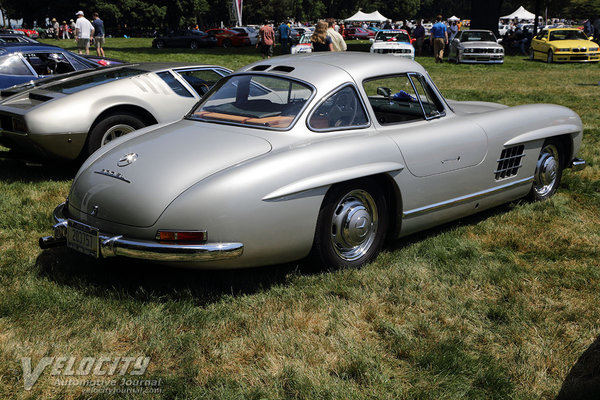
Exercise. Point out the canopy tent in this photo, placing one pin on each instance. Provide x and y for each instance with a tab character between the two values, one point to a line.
520	13
453	18
361	16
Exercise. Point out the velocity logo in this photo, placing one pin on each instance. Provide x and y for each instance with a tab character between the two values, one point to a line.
86	366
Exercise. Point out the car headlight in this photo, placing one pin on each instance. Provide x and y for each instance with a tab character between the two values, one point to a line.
563	50
468	50
593	48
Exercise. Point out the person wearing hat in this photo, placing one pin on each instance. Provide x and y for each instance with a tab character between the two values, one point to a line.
84	30
55	26
64	30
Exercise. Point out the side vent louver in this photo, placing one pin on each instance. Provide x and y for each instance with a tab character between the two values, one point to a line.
509	162
260	68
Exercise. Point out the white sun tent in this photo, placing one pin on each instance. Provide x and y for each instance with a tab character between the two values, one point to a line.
453	18
521	13
361	16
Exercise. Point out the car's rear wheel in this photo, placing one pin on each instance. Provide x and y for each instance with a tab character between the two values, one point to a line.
548	172
550	58
111	128
159	44
193	45
352	225
227	43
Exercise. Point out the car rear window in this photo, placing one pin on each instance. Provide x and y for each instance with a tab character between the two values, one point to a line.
88	81
255	100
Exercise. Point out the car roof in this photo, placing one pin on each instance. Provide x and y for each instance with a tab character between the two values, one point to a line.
564	29
17	47
326	69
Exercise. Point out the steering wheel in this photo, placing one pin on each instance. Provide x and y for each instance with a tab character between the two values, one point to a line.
344	110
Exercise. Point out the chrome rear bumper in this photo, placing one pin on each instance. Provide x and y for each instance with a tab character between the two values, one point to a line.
577	164
117	245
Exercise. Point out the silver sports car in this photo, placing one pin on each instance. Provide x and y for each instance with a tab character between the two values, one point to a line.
324	154
72	117
476	46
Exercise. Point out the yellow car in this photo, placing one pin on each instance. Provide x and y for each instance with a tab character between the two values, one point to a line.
563	45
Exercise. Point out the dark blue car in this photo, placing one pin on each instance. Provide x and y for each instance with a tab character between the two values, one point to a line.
23	62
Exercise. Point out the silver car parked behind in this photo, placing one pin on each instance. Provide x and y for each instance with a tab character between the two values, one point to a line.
72	117
476	46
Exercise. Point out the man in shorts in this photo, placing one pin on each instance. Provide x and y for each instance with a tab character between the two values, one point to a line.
84	31
98	34
266	39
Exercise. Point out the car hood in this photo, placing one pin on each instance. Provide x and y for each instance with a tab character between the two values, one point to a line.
564	44
479	44
168	160
383	45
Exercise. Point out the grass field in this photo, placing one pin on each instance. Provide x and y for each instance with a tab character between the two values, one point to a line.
502	305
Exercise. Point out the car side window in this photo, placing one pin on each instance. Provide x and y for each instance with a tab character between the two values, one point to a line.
200	80
343	109
393	99
12	64
432	106
49	63
174	84
541	35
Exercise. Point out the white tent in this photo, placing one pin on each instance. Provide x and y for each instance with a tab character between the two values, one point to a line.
521	13
453	18
361	16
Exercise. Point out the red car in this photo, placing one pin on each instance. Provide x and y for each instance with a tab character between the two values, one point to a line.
29	33
228	38
356	33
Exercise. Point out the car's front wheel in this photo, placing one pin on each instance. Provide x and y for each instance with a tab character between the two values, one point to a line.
227	43
548	172
159	44
193	45
110	128
352	225
531	54
550	58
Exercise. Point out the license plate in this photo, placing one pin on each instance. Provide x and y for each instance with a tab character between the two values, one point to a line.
83	238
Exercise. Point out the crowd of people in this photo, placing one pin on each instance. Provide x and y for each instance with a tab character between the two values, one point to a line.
84	31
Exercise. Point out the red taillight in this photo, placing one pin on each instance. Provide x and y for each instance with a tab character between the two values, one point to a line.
182	236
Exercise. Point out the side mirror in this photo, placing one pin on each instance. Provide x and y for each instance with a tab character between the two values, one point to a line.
590	38
385	92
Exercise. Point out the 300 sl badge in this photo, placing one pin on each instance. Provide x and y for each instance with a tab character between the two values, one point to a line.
112	174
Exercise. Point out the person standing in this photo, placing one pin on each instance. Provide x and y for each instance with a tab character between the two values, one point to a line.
266	38
321	41
453	30
64	30
56	28
439	39
98	25
339	44
419	35
284	36
84	31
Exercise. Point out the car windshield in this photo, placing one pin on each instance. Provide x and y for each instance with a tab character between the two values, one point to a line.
571	34
255	100
85	82
392	36
477	36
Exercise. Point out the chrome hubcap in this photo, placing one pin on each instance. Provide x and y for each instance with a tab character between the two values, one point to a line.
354	225
116	131
546	171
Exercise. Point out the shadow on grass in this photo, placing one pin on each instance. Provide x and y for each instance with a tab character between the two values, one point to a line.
14	167
583	381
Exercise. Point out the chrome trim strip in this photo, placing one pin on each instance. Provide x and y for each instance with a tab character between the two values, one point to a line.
463	199
111	246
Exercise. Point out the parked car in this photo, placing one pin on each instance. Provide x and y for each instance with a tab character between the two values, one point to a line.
103	61
23	62
227	38
395	42
327	154
476	46
564	45
304	45
72	117
250	31
28	32
356	33
192	39
16	38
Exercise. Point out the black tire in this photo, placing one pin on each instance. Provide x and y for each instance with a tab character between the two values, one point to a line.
349	205
550	58
226	43
531	54
159	44
548	171
193	45
111	127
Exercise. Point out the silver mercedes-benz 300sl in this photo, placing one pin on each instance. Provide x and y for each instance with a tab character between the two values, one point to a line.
322	154
71	117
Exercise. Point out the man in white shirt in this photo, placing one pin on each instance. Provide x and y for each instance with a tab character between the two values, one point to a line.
83	32
339	44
